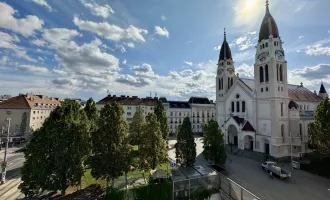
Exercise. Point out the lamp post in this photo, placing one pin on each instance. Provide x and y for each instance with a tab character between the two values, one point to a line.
2	129
4	163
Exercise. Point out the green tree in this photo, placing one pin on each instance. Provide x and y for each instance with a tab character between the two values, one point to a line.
319	129
111	149
160	113
185	148
136	127
92	112
55	155
153	147
214	144
22	127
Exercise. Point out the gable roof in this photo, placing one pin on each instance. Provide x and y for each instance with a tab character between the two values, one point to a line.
248	127
129	100
295	92
199	100
29	101
238	120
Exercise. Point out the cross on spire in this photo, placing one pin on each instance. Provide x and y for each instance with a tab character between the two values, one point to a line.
267	4
224	32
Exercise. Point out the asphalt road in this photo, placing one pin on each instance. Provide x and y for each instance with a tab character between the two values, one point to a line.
248	173
9	190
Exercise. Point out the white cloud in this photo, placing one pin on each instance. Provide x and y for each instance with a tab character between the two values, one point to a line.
130	44
300	37
246	41
59	37
217	48
300	7
31	68
8	41
41	59
318	49
110	31
103	11
121	48
133	81
43	3
188	63
60	72
163	18
244	56
124	62
161	31
87	59
39	42
3	60
186	72
145	70
25	26
245	71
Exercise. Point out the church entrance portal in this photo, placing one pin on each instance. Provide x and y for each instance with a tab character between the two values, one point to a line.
267	148
232	135
248	142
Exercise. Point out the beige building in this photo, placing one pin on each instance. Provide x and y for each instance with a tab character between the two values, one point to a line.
130	104
36	107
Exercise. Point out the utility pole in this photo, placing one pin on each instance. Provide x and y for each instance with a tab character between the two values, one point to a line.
4	163
2	129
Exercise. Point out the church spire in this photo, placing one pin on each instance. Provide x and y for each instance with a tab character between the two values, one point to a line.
267	8
225	52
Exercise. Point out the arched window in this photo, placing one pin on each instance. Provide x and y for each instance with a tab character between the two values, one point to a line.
261	74
232	106
237	106
266	44
282	109
277	70
262	89
231	82
300	129
263	45
243	106
281	73
304	107
219	84
277	43
282	132
266	73
307	107
228	82
274	43
266	89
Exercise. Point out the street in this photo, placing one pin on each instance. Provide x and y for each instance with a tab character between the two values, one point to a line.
10	190
248	173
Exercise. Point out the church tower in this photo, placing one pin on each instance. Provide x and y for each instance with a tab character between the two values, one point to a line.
322	92
225	79
271	89
226	71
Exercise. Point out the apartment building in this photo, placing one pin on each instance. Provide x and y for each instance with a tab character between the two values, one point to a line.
199	109
130	104
36	107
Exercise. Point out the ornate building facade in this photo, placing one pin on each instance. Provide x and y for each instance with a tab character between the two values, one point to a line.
265	114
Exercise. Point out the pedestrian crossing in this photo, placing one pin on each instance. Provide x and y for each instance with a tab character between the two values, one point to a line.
9	190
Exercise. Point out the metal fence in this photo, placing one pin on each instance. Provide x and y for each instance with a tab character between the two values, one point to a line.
225	188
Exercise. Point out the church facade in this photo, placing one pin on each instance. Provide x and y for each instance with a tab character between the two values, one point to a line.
265	114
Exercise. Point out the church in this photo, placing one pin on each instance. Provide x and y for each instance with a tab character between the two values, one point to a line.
265	114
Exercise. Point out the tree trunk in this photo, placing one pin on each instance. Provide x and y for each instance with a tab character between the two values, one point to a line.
126	180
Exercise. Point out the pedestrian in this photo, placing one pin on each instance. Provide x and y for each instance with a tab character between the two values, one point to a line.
271	175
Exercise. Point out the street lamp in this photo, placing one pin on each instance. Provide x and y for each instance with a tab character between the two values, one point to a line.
4	163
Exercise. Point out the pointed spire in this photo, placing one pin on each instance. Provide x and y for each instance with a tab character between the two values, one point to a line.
267	9
224	32
322	89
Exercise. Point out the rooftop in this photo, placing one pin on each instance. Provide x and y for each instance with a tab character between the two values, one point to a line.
129	100
179	104
30	101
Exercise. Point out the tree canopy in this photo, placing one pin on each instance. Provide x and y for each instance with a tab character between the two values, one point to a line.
136	126
319	129
185	148
92	112
110	147
153	147
57	151
160	113
214	145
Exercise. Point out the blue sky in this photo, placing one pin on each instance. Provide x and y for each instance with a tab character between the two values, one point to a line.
83	48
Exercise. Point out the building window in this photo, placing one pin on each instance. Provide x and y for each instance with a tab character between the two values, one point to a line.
261	74
282	109
304	107
232	106
282	89
219	84
277	72
128	113
307	107
278	88
266	89
243	106
300	129
266	73
237	106
263	45
171	113
33	118
282	131
228	82
38	111
300	106
281	73
193	126
266	44
274	43
193	114
262	89
34	112
179	113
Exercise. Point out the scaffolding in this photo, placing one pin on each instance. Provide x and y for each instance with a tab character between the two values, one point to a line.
189	180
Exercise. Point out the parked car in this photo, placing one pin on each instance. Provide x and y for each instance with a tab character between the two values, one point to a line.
270	166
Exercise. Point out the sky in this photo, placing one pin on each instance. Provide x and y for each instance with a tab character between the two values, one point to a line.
92	48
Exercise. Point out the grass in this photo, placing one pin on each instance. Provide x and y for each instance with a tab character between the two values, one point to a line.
88	179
